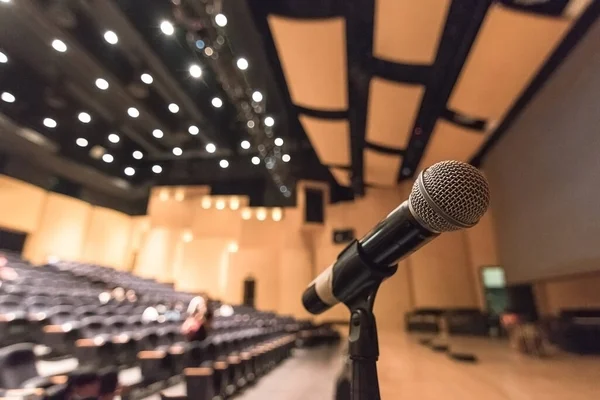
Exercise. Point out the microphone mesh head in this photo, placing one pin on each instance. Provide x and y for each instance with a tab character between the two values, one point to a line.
449	195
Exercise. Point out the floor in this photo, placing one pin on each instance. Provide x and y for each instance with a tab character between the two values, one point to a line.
409	370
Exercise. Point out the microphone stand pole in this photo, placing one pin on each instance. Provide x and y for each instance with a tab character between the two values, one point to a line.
364	348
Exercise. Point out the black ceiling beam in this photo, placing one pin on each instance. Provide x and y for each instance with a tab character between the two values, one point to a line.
384	149
571	39
260	9
462	26
418	74
476	124
322	114
360	15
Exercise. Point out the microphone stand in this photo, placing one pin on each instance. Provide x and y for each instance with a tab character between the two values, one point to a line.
364	348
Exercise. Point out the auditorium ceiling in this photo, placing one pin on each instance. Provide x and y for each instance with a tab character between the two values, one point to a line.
359	93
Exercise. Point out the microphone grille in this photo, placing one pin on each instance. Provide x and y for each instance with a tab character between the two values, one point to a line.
449	195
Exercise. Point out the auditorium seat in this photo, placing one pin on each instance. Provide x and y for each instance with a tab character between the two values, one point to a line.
18	369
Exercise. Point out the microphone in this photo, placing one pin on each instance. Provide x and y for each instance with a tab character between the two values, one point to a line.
447	196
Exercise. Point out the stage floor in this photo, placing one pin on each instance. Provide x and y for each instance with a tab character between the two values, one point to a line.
409	370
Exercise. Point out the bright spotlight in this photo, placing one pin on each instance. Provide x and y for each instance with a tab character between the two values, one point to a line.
167	28
195	71
257	96
221	20
111	37
101	84
242	64
59	45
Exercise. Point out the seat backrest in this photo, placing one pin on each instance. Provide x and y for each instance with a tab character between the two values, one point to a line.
117	324
61	314
10	303
93	326
17	365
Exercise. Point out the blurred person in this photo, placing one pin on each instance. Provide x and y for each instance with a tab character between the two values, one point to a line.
197	326
6	272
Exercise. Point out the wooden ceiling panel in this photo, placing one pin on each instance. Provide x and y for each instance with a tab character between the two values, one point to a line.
409	31
341	175
392	110
451	142
381	169
313	58
329	138
509	51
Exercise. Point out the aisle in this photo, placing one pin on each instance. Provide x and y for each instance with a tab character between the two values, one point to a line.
309	374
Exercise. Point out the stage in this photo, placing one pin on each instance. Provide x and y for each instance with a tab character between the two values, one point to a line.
409	370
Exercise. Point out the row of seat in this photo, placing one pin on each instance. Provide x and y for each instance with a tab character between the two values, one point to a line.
104	327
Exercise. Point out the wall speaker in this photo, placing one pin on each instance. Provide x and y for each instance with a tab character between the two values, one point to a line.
313	207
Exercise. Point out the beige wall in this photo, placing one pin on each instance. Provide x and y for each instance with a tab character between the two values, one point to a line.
21	205
569	292
107	240
64	227
61	231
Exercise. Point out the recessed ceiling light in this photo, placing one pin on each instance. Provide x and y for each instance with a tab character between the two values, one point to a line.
81	142
113	138
157	169
242	64
129	171
85	117
257	96
3	58
59	45
255	160
269	121
195	71
174	108
107	158
278	141
221	19
138	155
101	84
147	78
285	158
193	130
209	51
157	133
8	97
217	102
111	37
133	112
50	123
177	151
245	144
211	148
250	124
224	163
167	28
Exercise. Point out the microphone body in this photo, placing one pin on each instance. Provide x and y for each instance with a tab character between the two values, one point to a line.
447	196
366	262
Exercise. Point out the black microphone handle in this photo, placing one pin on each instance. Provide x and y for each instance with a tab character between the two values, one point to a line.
395	237
365	263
